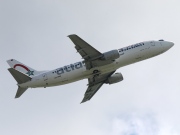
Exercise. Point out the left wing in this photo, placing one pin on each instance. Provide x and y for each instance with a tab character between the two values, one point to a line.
95	84
85	50
91	56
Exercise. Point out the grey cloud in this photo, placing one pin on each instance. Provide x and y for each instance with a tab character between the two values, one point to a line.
134	124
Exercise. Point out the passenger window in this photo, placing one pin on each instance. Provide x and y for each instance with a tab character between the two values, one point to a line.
125	49
152	43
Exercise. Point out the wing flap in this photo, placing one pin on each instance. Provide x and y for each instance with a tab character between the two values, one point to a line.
91	56
95	84
91	91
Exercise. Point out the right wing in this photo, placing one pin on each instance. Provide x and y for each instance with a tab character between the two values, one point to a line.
91	90
95	84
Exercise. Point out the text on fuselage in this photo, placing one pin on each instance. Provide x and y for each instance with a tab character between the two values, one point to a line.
130	47
69	68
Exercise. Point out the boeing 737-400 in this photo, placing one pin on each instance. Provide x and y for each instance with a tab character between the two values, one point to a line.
99	68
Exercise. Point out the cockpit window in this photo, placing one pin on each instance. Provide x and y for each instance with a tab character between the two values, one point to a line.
161	40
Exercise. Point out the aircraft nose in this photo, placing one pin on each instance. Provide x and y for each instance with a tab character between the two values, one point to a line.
170	44
167	45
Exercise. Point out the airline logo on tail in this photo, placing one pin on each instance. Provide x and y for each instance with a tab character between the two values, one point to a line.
29	72
23	68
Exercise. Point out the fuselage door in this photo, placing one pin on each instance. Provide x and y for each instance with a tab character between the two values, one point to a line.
152	43
45	78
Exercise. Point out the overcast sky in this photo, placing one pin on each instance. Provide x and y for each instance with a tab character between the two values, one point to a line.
35	32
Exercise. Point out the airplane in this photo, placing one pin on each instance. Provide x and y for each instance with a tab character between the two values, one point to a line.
99	68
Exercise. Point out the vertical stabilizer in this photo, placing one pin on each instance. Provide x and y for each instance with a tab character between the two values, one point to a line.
22	67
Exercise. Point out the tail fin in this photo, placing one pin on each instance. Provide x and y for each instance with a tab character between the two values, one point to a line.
22	67
20	78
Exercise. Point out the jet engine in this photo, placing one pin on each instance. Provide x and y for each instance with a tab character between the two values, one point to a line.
111	55
115	78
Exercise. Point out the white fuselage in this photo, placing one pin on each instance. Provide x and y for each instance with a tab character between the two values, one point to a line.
77	71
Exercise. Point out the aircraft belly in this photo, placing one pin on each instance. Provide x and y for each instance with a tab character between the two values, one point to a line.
130	57
32	84
126	59
66	78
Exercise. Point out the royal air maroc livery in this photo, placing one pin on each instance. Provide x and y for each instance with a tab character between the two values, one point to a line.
99	68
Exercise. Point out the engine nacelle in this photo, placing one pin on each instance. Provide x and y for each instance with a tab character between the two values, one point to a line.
115	78
111	55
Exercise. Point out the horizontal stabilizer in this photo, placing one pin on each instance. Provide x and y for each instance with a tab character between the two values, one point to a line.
20	91
18	76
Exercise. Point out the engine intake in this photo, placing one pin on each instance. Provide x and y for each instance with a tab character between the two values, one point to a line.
115	78
111	55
